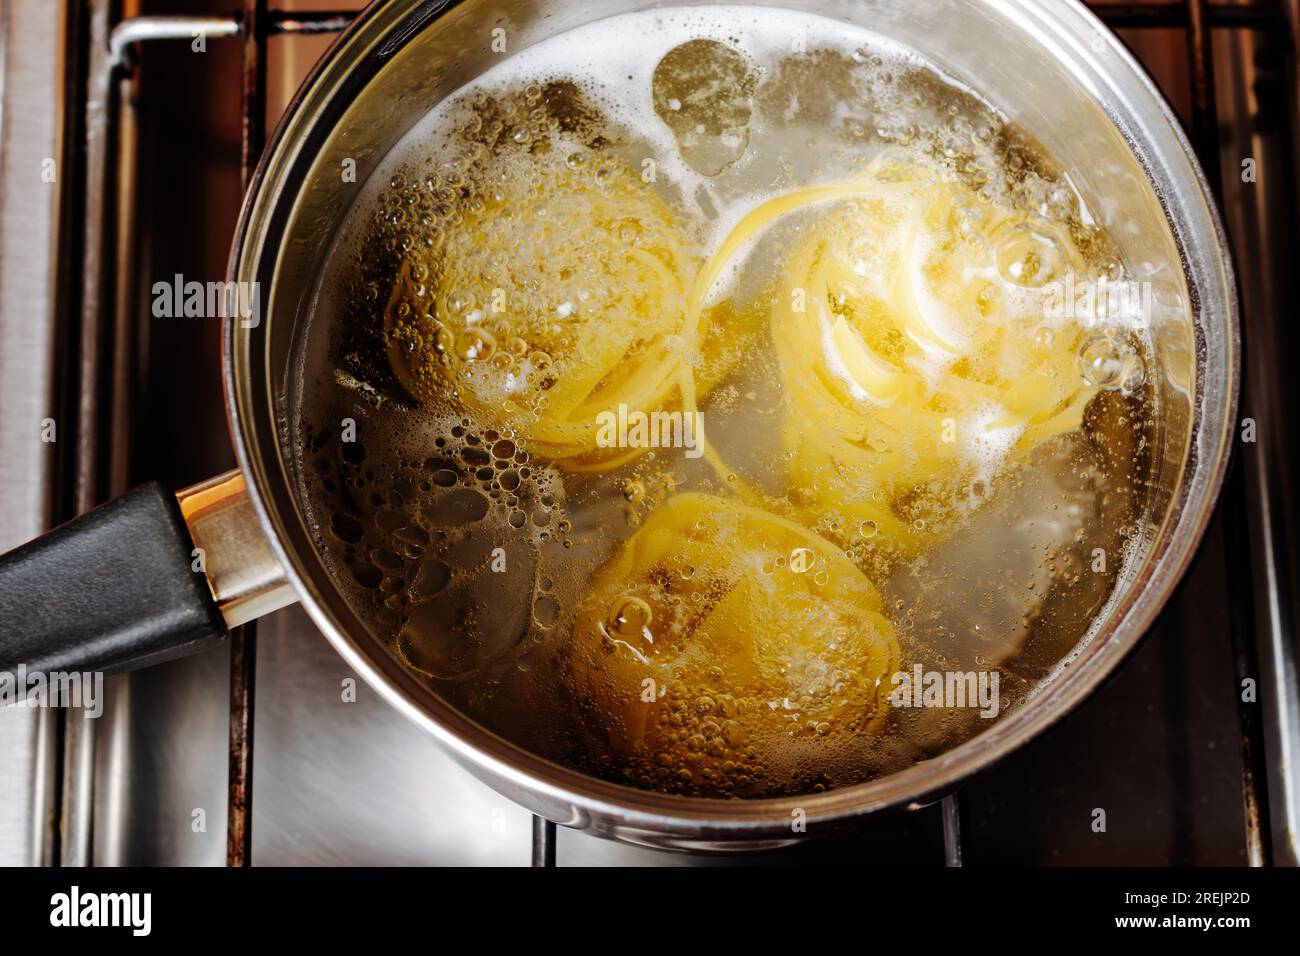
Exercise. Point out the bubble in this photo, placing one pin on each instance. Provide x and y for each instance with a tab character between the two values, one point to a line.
444	340
702	91
1027	257
367	575
629	620
346	528
432	577
1109	361
444	477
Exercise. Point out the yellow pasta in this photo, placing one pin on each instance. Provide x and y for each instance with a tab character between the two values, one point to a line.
555	297
909	329
717	610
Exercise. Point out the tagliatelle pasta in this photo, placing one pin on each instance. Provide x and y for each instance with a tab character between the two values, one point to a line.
910	330
556	296
717	623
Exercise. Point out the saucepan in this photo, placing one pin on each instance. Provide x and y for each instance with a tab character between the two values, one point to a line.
157	573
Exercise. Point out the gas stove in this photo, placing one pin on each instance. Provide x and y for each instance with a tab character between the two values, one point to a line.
153	112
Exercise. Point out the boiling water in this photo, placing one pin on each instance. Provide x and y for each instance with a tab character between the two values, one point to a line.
880	443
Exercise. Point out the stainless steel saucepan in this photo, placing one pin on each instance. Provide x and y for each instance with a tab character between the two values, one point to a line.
125	585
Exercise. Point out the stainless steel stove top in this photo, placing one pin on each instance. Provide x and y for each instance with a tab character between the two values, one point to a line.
340	782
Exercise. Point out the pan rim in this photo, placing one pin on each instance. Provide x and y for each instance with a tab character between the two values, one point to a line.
576	799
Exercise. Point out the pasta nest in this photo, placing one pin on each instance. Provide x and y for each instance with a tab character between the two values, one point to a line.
716	625
552	295
909	324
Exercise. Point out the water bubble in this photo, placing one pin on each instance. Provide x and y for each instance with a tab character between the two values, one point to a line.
461	302
1028	257
476	345
443	339
346	528
629	619
432	577
1108	361
444	477
367	575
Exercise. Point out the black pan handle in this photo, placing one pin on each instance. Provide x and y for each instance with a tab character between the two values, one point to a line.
112	590
142	579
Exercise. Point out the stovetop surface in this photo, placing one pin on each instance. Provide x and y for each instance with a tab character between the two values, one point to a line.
1158	748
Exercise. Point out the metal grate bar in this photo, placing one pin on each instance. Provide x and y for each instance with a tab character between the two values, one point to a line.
1235	510
243	640
954	844
543	842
